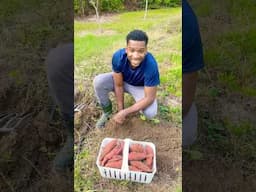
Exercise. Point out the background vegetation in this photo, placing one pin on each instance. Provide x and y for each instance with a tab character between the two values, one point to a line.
226	97
84	7
29	29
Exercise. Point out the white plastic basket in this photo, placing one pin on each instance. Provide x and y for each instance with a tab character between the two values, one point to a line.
124	173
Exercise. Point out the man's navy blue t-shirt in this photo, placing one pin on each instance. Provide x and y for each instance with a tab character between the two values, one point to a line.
192	53
146	74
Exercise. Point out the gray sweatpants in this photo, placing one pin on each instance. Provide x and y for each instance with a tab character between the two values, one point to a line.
104	84
189	126
60	74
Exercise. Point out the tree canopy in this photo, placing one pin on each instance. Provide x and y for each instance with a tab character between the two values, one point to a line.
84	7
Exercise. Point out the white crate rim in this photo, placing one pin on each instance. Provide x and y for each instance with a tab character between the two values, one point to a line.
124	170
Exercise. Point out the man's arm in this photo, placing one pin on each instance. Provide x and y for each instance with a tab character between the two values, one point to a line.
119	90
188	91
150	95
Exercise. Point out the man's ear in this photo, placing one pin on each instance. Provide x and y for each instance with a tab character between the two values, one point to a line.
125	49
146	50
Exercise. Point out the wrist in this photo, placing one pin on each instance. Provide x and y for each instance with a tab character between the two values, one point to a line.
120	107
125	111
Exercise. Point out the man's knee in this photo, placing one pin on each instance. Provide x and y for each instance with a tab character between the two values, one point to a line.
59	62
103	81
97	81
150	112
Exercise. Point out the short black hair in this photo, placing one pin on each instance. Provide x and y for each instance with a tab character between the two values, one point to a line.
137	35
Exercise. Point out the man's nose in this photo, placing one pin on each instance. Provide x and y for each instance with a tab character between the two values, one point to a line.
136	55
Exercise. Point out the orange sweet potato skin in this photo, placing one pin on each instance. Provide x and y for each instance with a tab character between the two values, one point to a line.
136	156
115	158
114	164
139	165
108	148
133	168
136	148
150	155
117	150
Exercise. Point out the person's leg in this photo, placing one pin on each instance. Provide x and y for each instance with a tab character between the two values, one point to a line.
60	70
138	93
60	74
189	126
103	84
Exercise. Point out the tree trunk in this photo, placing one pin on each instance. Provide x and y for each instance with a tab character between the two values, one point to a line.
96	6
82	7
146	9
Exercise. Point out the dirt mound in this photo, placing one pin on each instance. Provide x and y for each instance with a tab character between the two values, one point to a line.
26	158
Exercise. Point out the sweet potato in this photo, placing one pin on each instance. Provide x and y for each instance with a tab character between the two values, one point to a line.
116	151
136	148
108	148
115	158
133	168
136	156
114	164
149	151
150	155
149	162
139	165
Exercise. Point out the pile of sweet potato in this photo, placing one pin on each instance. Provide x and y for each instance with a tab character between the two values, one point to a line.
140	158
111	155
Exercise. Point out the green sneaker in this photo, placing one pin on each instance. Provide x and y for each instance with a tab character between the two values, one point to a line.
103	120
65	157
107	111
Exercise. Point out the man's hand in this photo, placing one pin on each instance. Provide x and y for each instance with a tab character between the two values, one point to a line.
120	117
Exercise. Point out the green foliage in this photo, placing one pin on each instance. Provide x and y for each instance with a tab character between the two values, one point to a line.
193	154
112	5
228	79
173	80
240	129
155	4
81	7
213	92
9	8
120	5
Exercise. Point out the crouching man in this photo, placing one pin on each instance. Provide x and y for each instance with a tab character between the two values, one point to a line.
134	71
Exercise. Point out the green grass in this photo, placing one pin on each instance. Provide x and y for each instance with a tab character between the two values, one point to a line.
129	21
91	45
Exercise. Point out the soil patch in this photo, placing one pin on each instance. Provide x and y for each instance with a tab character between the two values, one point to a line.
214	176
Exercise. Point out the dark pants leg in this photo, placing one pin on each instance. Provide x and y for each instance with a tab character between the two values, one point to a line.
60	74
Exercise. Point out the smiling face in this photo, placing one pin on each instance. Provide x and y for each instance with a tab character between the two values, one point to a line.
136	52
